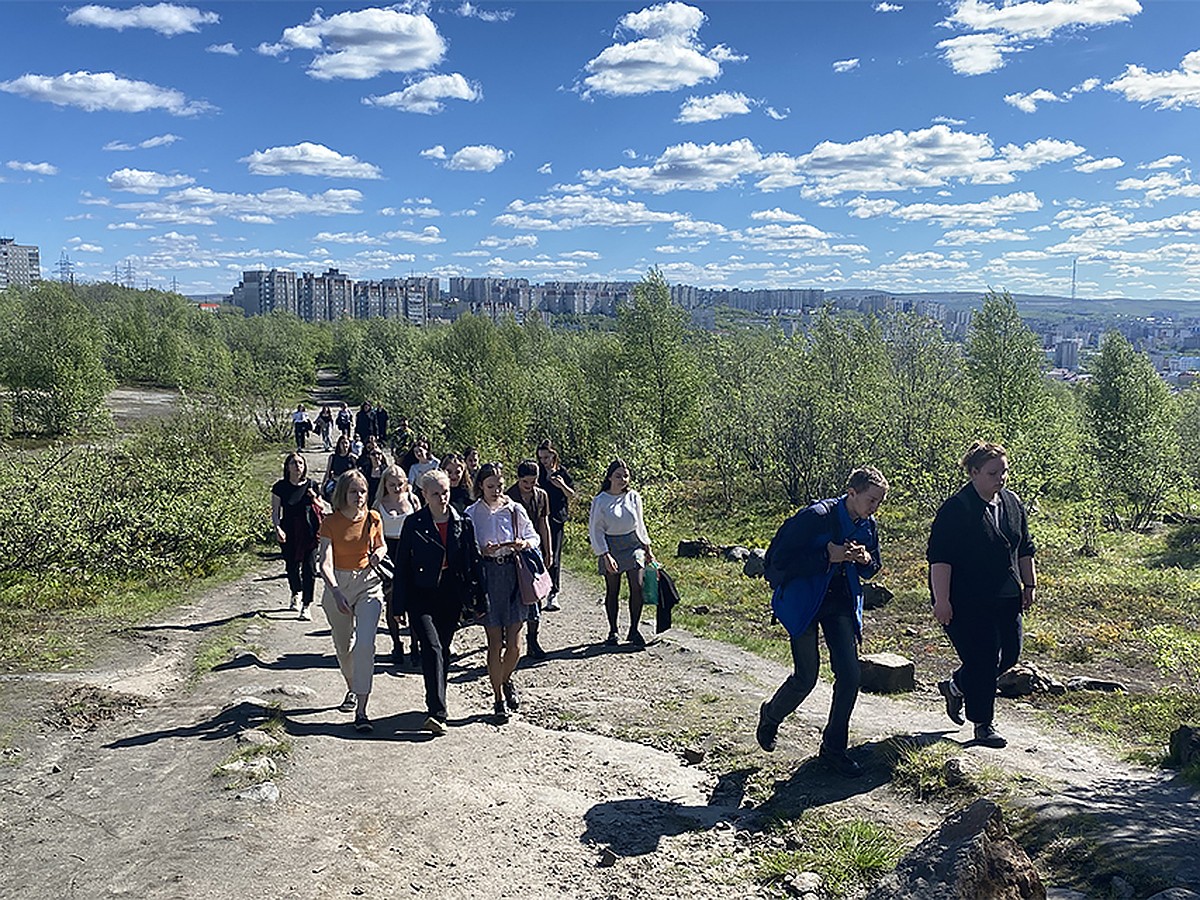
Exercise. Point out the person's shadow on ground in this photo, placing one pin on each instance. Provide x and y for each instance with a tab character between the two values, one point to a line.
636	826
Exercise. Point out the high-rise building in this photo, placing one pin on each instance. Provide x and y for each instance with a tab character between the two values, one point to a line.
262	292
326	297
20	265
1066	354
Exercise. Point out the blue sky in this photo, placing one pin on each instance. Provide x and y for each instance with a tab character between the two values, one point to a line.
907	146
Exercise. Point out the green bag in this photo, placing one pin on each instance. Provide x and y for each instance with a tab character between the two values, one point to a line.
650	584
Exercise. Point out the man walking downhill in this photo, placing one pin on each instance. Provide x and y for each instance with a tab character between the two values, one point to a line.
816	564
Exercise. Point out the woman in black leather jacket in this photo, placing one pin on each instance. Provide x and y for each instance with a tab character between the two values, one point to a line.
438	573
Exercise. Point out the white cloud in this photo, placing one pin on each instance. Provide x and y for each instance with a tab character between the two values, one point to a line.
417	212
982	213
307	158
347	237
435	152
102	91
497	243
963	236
198	205
469	10
126	226
907	262
426	96
477	158
42	168
545	169
161	140
1028	102
138	181
364	43
713	107
590	255
775	215
885	7
666	54
845	65
994	31
1161	185
776	114
1165	162
430	234
165	18
929	157
222	49
1097	165
1167	90
580	211
946	120
778	237
88	248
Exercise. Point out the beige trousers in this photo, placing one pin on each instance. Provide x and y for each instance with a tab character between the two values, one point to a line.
354	634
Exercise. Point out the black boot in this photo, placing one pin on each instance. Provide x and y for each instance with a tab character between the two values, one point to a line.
535	649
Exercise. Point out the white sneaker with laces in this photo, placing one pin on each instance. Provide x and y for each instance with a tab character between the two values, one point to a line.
305	613
295	602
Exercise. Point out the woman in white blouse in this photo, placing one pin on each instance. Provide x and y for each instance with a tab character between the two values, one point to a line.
621	544
395	502
502	529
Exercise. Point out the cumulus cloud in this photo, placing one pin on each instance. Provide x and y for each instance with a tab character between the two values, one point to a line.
161	140
469	10
1097	165
775	215
200	206
437	151
365	43
96	91
776	114
472	158
1161	185
1028	102
996	30
664	53
521	240
223	49
545	169
307	158
962	236
907	262
426	95
139	181
929	157
713	107
1166	90
845	65
982	213
41	168
416	212
580	211
165	18
1164	162
885	7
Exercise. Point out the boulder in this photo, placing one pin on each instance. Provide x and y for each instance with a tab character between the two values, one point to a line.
970	855
887	673
1175	893
697	549
1024	679
736	553
755	563
876	595
1185	745
1083	683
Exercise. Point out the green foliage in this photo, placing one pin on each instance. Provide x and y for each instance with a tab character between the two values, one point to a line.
1002	359
848	854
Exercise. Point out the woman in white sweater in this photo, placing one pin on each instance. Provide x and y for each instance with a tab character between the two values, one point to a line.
621	544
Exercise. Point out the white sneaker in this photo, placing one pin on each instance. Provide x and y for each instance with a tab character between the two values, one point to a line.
305	613
435	726
295	602
552	604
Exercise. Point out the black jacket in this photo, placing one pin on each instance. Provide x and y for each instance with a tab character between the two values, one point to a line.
982	558
421	584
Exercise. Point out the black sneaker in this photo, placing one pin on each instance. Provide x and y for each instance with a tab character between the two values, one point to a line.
986	735
840	762
362	724
535	650
635	638
512	696
765	733
954	702
500	713
612	639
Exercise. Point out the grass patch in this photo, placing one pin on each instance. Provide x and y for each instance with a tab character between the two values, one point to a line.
848	854
218	647
253	763
1140	724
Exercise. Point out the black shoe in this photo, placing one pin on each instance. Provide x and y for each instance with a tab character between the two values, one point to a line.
397	657
362	724
954	702
500	713
986	735
635	637
840	762
765	733
535	650
512	697
612	639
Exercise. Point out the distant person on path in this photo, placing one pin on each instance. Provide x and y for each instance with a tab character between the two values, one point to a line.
622	545
352	548
341	460
816	565
296	523
372	462
438	572
560	487
982	577
460	484
471	460
325	427
364	422
345	421
502	529
537	506
301	426
395	503
403	439
381	424
425	461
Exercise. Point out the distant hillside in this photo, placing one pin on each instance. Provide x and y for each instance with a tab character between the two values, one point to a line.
1045	303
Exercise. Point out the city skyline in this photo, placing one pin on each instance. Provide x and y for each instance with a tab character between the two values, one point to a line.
909	147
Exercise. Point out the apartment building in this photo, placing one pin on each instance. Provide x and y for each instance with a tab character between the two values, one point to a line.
20	264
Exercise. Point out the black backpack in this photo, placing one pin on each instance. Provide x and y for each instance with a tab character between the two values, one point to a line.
779	566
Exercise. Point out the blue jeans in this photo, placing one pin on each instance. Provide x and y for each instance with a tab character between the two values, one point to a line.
842	642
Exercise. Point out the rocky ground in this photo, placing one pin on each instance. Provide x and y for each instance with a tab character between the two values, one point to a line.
628	773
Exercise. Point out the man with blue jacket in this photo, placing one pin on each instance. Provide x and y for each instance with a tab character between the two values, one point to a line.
816	565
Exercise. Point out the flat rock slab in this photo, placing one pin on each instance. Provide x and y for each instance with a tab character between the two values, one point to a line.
887	673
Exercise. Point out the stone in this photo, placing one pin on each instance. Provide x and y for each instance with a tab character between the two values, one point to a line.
807	882
876	595
700	610
1121	889
267	792
887	673
970	855
955	773
1185	745
755	563
1084	683
736	554
693	756
1175	893
1024	679
256	737
298	691
608	857
696	549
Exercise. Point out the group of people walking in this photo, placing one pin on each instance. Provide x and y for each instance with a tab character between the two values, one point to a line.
436	543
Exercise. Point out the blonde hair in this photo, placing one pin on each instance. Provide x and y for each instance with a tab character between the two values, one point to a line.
392	471
342	489
435	475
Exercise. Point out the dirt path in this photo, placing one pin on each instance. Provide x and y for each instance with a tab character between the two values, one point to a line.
586	794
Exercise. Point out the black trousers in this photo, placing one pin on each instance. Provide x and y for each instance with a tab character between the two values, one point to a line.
434	624
556	546
301	572
987	636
